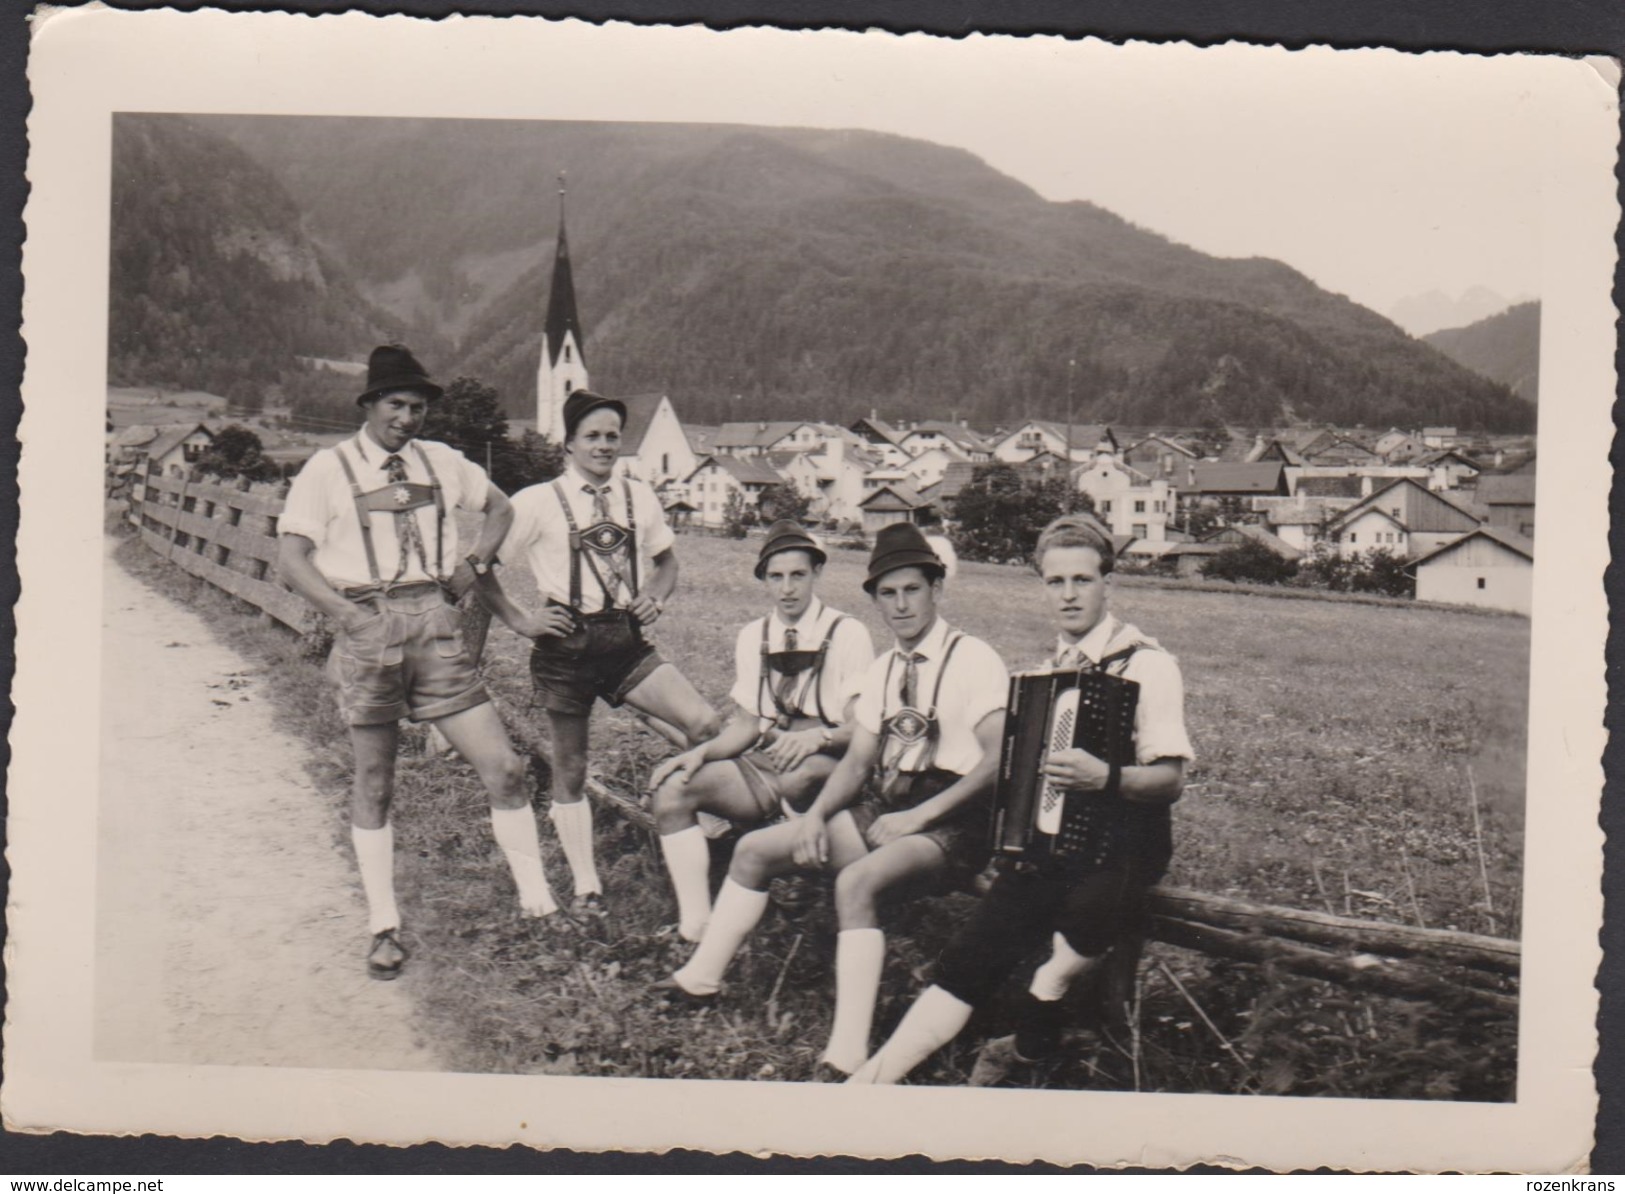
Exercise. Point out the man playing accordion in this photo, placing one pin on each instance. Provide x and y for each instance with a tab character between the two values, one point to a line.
796	673
904	809
1079	905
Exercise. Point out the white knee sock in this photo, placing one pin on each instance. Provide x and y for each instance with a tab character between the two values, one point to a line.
1055	976
934	1020
860	956
375	855
688	862
515	831
737	911
573	822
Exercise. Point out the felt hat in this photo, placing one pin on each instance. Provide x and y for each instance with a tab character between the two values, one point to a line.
787	535
582	403
393	367
901	545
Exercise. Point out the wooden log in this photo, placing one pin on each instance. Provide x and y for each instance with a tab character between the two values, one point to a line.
1384	976
1495	954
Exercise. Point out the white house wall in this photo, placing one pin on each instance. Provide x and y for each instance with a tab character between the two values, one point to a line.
1498	586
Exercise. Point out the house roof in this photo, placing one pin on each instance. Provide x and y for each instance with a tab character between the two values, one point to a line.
1274	542
640	413
900	495
954	433
1298	514
1194	549
1430	516
1235	477
957	476
758	434
701	438
1329	487
1164	441
1506	489
1084	435
134	436
1439	455
880	427
170	438
1507	539
561	303
747	470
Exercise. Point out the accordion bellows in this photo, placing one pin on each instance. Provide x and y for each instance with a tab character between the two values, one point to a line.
1047	711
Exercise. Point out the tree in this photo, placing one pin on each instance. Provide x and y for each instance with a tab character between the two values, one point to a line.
783	501
1383	571
1250	561
237	452
737	518
997	517
469	417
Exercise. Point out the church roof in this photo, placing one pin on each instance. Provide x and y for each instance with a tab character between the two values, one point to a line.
640	412
561	303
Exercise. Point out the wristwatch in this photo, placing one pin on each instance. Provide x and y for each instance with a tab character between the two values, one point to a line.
480	567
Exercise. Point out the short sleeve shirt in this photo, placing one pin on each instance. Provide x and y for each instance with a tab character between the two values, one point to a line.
976	684
850	653
322	508
540	534
1159	717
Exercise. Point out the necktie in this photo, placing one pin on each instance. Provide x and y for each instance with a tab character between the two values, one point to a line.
785	683
1069	659
614	561
406	521
911	680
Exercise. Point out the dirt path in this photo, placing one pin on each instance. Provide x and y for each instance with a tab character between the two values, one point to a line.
230	928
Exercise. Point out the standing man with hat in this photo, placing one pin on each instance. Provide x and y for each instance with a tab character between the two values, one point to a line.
796	673
368	537
601	552
1079	909
905	808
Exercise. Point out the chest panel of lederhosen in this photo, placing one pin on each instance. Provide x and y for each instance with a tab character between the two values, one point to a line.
1126	828
910	735
600	539
397	497
807	664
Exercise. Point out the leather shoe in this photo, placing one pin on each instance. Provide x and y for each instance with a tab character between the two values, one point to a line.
387	955
998	1062
674	994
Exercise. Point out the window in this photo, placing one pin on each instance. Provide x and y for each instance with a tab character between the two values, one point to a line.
665	462
1139	530
566	354
1139	507
1353	537
1481	582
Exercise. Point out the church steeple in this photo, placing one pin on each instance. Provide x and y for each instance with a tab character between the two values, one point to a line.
563	367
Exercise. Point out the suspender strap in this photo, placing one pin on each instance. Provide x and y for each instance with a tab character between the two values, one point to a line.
936	689
575	544
631	536
361	513
818	669
1119	657
439	513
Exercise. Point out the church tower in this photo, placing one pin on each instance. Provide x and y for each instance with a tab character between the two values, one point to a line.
563	369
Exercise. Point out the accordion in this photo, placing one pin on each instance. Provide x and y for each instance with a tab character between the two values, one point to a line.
1047	711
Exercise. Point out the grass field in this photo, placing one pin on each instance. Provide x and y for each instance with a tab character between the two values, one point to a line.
1335	743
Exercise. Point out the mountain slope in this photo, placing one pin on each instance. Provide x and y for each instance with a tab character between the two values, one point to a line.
214	284
802	269
1504	348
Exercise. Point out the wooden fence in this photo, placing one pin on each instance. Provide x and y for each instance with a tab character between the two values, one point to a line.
226	534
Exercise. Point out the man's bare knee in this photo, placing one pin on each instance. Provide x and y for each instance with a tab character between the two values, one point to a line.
857	893
703	726
756	859
507	781
673	805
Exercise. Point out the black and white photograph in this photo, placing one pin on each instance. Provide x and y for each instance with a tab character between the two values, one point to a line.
1002	570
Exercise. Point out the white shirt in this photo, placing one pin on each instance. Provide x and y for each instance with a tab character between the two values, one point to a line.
976	684
540	534
1159	717
321	507
851	651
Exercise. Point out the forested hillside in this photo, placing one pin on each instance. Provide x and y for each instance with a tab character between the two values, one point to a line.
752	272
1503	348
214	283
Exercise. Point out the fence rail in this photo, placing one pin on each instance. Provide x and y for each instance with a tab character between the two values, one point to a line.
226	535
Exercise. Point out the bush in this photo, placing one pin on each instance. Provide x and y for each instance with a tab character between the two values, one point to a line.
1376	571
237	452
783	501
737	518
997	517
1250	561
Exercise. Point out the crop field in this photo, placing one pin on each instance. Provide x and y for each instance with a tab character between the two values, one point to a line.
1341	748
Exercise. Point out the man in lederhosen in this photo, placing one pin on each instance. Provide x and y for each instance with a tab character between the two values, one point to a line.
904	809
1077	909
601	552
796	672
368	537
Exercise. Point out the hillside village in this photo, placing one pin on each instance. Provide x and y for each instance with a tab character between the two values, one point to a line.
1458	508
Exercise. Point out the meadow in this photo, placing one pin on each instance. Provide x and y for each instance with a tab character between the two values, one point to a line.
1340	749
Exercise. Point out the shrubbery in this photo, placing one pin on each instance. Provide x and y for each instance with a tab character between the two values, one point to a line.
997	516
1376	571
1250	561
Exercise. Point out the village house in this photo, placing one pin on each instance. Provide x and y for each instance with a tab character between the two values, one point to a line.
941	495
1489	566
715	478
1405	518
1448	469
1042	435
654	446
1439	437
881	437
1342	451
1228	488
1131	504
1509	499
895	501
1397	447
1234	536
171	451
1163	459
757	438
929	466
1299	522
1358	481
956	439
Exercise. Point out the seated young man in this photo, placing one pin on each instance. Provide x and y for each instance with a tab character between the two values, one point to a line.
1079	908
796	672
904	809
602	554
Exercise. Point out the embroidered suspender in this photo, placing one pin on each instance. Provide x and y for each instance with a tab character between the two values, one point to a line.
365	515
362	513
439	512
815	679
576	548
